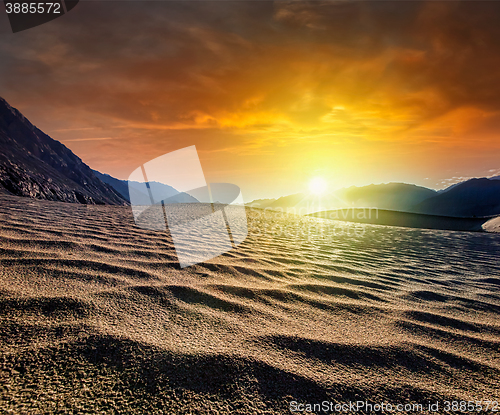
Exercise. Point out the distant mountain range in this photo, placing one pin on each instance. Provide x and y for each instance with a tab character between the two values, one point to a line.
474	197
33	164
121	186
396	196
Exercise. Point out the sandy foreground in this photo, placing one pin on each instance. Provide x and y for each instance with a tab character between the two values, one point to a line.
97	317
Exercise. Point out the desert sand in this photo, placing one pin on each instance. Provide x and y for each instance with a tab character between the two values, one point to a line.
405	219
97	317
492	225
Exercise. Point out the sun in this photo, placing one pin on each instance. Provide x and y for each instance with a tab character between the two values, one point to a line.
318	185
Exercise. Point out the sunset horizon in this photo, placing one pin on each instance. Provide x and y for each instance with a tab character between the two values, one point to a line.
273	94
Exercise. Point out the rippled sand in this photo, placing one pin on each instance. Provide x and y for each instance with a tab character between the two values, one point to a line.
96	315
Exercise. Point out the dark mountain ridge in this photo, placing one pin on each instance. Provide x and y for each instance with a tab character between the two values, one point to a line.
474	197
32	164
395	196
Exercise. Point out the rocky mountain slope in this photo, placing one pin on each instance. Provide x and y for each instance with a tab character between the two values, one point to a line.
32	164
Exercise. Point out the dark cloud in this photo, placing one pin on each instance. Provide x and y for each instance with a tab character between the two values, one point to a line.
133	60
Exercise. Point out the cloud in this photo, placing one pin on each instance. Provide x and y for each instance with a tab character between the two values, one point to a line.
257	78
186	64
89	139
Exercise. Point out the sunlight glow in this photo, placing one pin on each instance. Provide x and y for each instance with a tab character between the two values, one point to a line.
318	185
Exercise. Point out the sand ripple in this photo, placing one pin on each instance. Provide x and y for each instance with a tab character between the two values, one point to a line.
96	315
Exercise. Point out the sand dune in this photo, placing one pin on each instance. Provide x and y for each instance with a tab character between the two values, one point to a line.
492	225
96	315
405	219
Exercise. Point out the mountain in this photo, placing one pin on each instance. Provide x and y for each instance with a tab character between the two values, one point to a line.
32	164
474	197
261	203
394	196
121	186
459	183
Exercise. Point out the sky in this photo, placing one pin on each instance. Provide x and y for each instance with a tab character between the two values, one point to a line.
273	94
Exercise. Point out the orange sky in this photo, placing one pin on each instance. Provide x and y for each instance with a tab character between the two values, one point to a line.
272	94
